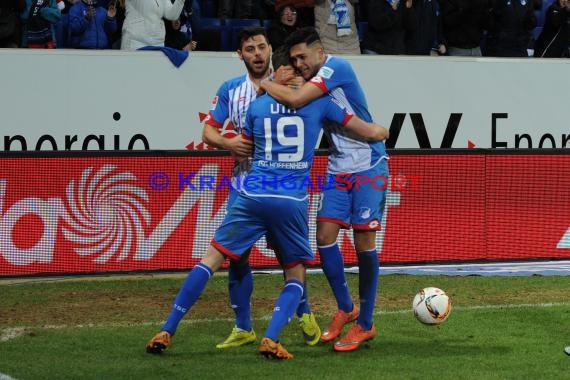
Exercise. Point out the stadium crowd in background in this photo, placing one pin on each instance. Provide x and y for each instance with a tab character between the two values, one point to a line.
335	21
504	28
553	41
463	24
144	22
91	26
280	28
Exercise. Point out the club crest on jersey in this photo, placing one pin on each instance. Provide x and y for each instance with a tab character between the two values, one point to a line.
325	72
214	103
364	212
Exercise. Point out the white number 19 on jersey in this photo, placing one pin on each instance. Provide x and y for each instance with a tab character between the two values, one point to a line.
297	142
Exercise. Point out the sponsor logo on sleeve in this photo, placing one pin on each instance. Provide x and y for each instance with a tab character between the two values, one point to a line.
325	72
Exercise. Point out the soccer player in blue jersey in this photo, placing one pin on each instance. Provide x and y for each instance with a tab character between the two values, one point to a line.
231	103
359	206
284	141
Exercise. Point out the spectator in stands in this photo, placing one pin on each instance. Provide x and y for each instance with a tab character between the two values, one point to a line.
176	38
39	18
510	29
246	9
91	25
115	39
190	19
10	26
305	10
281	28
143	25
336	25
68	4
264	9
554	40
464	24
424	29
236	9
386	27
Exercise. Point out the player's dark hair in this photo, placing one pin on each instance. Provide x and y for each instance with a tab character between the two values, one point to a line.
251	31
306	35
280	57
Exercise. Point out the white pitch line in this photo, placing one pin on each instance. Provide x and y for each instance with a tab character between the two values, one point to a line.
487	307
11	333
15	332
3	376
493	264
440	269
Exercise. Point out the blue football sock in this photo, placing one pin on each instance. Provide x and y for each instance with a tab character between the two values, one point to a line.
304	307
191	289
333	267
284	308
240	285
368	272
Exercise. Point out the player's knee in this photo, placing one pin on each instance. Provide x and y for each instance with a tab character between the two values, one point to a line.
240	267
327	233
295	273
364	240
325	238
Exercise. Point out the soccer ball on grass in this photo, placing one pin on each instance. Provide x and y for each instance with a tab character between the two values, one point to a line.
431	306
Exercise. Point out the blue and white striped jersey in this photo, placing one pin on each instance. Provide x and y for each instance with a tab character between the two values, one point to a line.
232	102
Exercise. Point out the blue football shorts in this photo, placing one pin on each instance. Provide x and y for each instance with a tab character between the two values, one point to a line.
283	220
232	196
355	200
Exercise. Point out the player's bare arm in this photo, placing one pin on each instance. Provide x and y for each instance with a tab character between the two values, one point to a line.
296	82
294	98
368	131
238	146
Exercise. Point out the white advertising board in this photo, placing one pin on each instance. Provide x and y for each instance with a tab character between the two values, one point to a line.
93	100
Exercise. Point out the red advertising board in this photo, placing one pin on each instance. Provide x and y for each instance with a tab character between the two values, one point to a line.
79	213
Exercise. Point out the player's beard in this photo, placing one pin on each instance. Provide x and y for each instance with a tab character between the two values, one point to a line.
309	72
257	73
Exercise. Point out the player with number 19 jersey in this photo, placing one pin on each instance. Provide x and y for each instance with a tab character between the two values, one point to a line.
284	141
274	199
